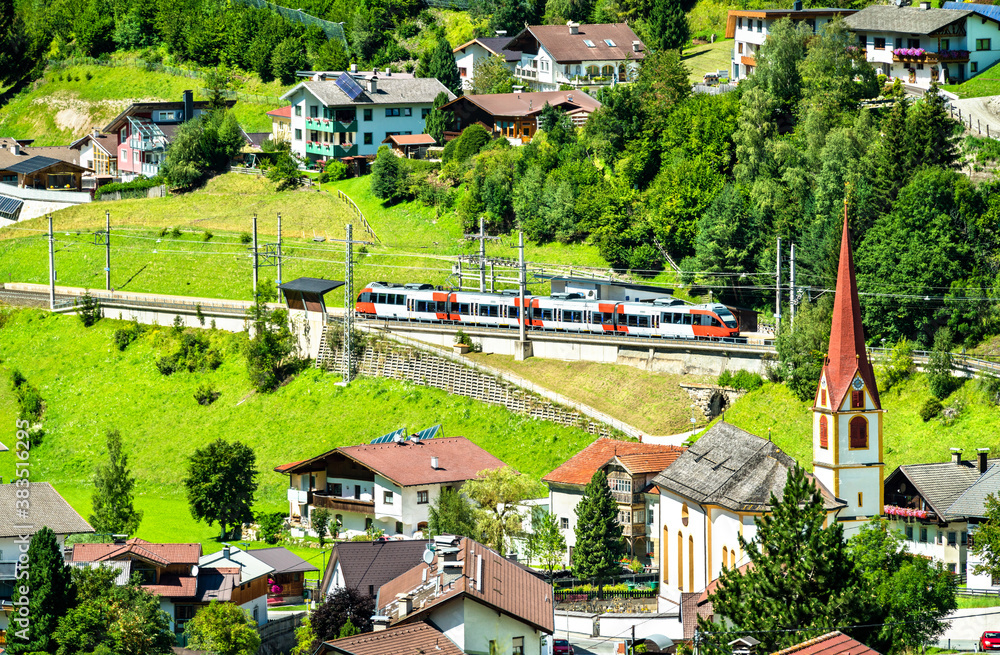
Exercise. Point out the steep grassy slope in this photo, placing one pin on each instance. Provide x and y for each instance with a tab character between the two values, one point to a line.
89	387
908	439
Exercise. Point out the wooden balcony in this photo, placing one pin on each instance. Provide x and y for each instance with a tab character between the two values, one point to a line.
634	530
328	501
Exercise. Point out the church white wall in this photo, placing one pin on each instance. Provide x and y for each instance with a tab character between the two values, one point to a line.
683	548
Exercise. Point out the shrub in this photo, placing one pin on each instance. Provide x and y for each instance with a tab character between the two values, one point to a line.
333	171
90	310
122	337
133	189
206	236
16	379
407	30
205	394
29	400
900	365
725	379
176	233
165	365
245	237
930	409
747	381
271	526
163	231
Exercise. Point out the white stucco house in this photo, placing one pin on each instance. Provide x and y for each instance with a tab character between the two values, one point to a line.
474	52
350	115
389	484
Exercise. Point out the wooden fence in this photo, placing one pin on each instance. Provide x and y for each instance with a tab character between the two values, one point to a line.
585	596
357	212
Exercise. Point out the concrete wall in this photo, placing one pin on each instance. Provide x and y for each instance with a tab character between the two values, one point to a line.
577	623
619	626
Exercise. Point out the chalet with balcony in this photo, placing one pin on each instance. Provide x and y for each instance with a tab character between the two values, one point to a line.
749	28
48	509
99	153
515	115
937	507
145	129
350	115
471	54
388	484
918	44
630	468
281	124
578	55
249	589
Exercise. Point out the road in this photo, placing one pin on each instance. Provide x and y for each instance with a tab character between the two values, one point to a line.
978	109
583	646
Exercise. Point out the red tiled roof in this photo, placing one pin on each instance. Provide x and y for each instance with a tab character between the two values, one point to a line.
832	643
580	468
281	112
410	139
847	354
162	554
174	586
409	464
650	462
284	467
413	638
498	582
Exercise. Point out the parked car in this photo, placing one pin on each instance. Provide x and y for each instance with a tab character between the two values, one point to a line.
563	647
989	641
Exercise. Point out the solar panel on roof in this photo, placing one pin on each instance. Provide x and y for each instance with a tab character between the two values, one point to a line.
429	433
349	86
9	205
386	438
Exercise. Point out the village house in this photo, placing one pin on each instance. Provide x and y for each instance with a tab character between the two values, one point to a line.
474	52
578	55
281	124
410	146
419	637
367	565
99	153
245	579
480	601
714	491
918	44
388	484
48	509
55	168
145	129
345	117
515	115
630	468
288	575
750	27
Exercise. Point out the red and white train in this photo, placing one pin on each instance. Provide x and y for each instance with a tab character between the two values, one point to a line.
662	317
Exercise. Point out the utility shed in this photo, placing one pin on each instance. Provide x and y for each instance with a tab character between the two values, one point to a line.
307	293
598	289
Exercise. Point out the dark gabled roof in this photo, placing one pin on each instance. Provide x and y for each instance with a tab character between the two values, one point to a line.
912	20
367	564
734	469
33	165
217	584
414	638
48	509
311	285
941	484
155	105
566	47
282	560
389	91
972	503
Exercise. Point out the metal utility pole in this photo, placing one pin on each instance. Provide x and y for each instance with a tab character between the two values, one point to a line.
52	267
279	248
255	257
521	282
791	288
482	238
107	250
348	305
777	295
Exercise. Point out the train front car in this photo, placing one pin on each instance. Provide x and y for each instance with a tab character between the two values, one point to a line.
679	320
728	319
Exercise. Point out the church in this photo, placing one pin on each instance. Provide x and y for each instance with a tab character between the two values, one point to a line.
713	492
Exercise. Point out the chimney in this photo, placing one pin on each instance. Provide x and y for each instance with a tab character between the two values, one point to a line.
388	72
354	68
797	6
434	462
225	551
501	32
956	455
569	97
119	538
635	46
404	605
380	623
512	557
188	105
574	28
15	148
372	84
97	132
983	454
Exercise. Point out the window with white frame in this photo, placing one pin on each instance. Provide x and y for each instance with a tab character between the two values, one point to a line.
387	497
621	485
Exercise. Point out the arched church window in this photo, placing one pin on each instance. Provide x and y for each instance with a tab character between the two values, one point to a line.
824	433
859	432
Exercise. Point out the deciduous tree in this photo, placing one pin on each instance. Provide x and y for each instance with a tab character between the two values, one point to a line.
387	175
343	605
802	348
224	629
451	513
547	540
221	483
491	75
499	493
320	520
939	375
599	543
114	510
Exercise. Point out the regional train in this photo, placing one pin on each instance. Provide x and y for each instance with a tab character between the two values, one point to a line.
568	312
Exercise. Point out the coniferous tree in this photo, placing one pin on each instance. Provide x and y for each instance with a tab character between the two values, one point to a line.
114	511
387	174
442	66
49	595
800	581
438	122
890	157
599	543
668	25
930	133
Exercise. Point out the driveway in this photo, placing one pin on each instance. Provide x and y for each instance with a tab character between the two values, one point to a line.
967	625
981	112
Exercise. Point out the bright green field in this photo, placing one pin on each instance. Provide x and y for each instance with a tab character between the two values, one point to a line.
708	58
90	387
908	440
986	83
57	110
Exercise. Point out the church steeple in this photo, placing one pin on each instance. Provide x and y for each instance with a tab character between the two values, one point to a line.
847	357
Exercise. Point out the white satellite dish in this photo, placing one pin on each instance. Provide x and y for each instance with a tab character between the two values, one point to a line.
428	556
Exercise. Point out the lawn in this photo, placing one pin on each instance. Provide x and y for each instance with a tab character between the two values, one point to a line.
64	104
80	377
652	402
986	83
708	58
908	439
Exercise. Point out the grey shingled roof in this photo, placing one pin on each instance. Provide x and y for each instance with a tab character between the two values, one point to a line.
912	20
373	563
48	509
389	91
282	560
941	483
734	469
124	568
973	501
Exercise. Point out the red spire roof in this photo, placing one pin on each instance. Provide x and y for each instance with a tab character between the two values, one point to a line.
847	354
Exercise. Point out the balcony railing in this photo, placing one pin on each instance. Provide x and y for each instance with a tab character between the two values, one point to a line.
628	498
331	125
921	56
298	496
527	73
147	144
634	529
345	504
332	149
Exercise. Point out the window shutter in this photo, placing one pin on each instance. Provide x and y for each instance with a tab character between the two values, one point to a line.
857	399
824	438
859	432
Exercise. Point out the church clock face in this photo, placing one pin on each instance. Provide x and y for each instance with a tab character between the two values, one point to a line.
857	384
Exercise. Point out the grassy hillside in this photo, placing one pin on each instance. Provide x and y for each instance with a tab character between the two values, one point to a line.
908	439
80	376
708	58
65	104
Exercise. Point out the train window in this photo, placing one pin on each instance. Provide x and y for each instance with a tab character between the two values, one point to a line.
442	306
546	314
400	299
609	318
687	319
572	316
489	310
643	321
365	297
421	305
536	312
595	317
459	308
715	322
